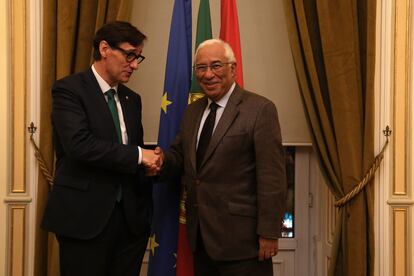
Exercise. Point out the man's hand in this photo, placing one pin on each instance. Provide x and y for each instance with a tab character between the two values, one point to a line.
159	152
267	248
152	160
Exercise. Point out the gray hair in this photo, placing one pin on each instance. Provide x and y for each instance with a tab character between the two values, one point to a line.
228	51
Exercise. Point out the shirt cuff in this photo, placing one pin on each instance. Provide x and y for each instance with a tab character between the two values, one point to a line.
139	155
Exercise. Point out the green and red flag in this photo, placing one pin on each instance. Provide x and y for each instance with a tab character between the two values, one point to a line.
184	254
203	33
229	32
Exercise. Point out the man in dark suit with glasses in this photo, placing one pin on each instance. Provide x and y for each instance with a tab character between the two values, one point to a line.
100	205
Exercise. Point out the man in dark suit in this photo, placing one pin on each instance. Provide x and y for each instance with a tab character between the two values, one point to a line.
100	205
230	157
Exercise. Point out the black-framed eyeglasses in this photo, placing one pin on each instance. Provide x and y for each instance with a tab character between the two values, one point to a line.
130	56
216	67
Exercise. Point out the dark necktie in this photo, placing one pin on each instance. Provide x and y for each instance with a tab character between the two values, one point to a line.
114	111
206	133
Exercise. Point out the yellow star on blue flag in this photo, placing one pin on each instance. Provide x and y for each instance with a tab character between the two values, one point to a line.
165	102
166	196
152	244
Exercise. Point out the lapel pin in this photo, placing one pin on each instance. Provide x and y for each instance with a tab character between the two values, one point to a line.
126	97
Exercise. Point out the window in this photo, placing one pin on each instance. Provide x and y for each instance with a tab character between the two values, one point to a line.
288	226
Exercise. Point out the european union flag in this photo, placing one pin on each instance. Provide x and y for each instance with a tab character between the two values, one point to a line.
166	196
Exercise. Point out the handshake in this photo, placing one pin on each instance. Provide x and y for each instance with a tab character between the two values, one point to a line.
152	160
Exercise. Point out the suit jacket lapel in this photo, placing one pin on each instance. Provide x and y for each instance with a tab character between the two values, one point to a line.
100	104
229	115
196	126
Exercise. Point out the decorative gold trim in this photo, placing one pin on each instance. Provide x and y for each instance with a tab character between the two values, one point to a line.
400	202
400	241
18	77
182	216
17	240
401	63
193	96
19	200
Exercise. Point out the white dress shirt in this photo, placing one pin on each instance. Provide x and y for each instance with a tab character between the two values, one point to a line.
104	88
220	109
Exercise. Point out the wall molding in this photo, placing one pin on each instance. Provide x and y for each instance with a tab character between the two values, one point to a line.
25	76
17	200
401	62
383	104
393	239
17	215
18	70
35	35
400	232
5	126
400	202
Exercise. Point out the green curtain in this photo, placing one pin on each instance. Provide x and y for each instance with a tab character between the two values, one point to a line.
333	47
68	30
